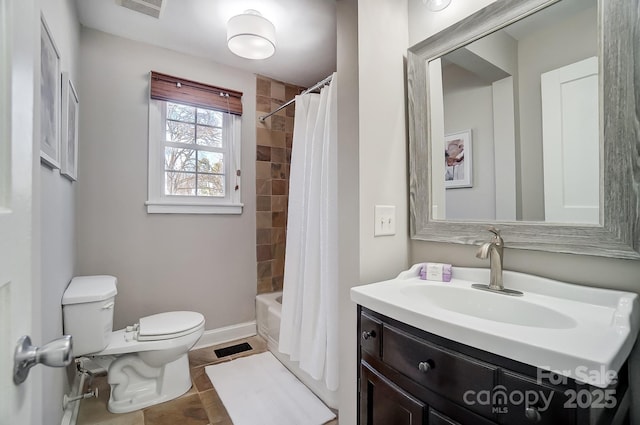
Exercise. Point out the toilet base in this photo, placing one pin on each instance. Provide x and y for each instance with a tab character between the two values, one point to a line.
136	385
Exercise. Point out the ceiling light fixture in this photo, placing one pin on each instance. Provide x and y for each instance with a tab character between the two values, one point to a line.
436	5
250	35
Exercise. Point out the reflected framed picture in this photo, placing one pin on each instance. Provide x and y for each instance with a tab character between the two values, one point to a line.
49	97
69	133
457	157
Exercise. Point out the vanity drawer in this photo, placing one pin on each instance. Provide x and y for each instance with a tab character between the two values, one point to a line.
370	334
551	412
443	371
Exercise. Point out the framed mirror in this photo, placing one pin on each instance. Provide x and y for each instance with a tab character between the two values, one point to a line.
526	116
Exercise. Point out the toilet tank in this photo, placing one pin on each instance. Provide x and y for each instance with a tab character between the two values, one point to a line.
87	312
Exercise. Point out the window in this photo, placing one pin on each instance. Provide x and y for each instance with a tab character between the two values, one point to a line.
194	148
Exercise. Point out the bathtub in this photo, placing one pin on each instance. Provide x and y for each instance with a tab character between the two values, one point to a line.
268	311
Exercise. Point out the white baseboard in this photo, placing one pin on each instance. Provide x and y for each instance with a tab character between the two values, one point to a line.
226	334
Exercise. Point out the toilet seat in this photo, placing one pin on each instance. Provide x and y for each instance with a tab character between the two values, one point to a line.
159	331
168	325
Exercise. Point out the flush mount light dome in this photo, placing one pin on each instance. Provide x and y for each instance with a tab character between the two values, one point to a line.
436	5
250	35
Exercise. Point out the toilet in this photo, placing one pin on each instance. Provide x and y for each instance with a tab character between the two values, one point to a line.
146	362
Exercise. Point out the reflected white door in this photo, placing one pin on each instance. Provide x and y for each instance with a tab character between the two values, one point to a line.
17	26
571	143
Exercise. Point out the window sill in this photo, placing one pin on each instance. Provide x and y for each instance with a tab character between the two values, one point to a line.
159	207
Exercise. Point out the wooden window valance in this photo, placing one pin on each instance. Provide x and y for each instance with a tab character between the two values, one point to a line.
168	88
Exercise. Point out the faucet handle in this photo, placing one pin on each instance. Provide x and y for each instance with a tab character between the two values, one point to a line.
497	239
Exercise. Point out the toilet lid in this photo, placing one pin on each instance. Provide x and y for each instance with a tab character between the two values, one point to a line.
168	325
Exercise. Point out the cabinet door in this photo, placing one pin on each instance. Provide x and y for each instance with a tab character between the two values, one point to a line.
384	403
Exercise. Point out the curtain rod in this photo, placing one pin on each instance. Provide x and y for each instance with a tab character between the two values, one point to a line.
310	89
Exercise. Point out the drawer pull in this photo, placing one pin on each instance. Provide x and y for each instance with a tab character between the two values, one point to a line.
532	414
368	334
425	367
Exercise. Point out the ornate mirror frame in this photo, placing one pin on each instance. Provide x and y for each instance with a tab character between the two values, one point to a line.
618	235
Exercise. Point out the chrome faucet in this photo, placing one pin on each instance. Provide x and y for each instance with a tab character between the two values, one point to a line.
494	250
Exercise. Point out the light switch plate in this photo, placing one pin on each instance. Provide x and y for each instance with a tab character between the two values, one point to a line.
385	220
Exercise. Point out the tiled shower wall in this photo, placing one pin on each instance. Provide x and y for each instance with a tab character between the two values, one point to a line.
274	138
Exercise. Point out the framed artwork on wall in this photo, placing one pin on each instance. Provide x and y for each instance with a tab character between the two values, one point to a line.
457	156
49	97
69	133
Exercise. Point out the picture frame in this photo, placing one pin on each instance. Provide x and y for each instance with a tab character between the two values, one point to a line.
458	160
49	97
69	133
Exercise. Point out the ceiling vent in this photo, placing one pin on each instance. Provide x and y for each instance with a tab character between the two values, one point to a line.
148	7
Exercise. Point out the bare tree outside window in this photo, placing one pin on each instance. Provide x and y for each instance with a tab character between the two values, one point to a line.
195	152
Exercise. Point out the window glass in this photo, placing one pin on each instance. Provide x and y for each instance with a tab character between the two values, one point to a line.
199	168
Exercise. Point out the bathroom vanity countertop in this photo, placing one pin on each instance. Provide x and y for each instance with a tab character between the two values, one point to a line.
577	331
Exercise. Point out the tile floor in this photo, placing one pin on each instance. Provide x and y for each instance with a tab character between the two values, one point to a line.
199	406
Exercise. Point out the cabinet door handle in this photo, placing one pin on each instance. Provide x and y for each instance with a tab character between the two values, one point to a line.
425	367
368	334
532	414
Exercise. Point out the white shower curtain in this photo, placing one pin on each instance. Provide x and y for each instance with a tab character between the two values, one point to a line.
309	321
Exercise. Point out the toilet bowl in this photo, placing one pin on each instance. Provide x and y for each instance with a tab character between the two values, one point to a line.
147	362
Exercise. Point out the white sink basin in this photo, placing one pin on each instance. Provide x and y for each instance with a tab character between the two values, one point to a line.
576	331
485	305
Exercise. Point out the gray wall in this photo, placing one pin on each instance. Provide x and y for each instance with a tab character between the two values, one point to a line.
552	47
372	165
164	262
348	202
383	136
57	194
468	106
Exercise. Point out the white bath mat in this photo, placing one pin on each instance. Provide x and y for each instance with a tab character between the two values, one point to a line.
258	389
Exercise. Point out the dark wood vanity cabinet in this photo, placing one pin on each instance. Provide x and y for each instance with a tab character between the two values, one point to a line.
411	377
